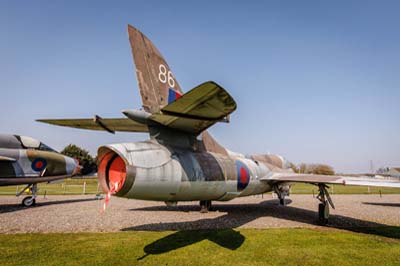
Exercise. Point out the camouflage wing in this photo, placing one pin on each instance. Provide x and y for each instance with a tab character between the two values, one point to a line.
7	159
330	179
13	181
198	109
106	124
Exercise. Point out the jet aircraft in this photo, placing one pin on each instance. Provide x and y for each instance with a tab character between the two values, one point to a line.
24	160
181	161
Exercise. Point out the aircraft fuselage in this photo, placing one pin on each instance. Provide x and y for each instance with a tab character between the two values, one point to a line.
151	171
24	160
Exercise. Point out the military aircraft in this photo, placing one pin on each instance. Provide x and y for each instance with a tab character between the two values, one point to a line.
24	160
181	161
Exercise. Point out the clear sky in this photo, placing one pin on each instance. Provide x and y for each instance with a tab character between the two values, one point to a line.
315	81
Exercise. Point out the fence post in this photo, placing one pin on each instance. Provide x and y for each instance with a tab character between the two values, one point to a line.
84	188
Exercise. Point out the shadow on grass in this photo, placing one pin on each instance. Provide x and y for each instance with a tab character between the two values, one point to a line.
18	207
220	229
227	238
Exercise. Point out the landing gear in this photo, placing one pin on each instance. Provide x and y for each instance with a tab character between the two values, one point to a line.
282	190
30	200
323	207
205	206
171	203
282	201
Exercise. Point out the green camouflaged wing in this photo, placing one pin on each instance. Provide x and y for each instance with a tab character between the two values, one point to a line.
198	109
106	124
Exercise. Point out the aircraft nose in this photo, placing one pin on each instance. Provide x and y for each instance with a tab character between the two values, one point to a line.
77	167
72	166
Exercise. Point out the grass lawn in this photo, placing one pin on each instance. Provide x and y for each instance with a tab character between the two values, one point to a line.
208	247
68	186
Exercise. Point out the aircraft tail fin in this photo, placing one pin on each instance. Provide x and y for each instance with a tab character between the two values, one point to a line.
158	86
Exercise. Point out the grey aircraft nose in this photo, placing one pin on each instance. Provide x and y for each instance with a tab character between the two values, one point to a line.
72	166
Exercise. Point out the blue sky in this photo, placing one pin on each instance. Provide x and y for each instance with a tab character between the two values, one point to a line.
315	81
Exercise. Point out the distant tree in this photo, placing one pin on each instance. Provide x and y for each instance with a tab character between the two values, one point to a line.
321	169
317	169
302	168
87	162
294	167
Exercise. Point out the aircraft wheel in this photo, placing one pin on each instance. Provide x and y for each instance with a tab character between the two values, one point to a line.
323	213
28	201
282	201
208	204
205	206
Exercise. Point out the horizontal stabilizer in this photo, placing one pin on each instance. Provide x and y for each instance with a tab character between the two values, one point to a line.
198	109
208	101
105	124
331	179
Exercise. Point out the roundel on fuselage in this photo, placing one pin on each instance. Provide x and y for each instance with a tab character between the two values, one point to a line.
243	175
39	164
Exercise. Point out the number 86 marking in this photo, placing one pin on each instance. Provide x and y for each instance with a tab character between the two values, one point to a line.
164	76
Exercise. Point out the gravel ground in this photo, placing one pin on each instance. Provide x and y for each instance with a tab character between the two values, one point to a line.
82	214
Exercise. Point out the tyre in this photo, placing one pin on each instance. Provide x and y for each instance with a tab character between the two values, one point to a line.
282	202
208	204
205	206
323	214
28	201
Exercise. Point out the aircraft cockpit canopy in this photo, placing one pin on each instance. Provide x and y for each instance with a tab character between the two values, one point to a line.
22	142
31	143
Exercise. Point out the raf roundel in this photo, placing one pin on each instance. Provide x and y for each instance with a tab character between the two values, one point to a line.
39	164
243	175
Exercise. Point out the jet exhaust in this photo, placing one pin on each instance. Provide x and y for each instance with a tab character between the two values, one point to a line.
114	174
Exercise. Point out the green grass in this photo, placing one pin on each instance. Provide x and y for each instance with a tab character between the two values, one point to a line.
65	187
207	247
75	186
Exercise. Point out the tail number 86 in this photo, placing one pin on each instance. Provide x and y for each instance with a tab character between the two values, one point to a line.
166	76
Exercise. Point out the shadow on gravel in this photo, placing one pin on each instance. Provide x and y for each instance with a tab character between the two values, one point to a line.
19	207
387	204
236	215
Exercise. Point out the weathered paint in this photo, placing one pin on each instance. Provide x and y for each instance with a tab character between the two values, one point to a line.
153	73
174	164
272	159
171	174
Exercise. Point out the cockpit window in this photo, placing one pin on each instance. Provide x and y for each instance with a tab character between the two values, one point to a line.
29	143
44	147
34	144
